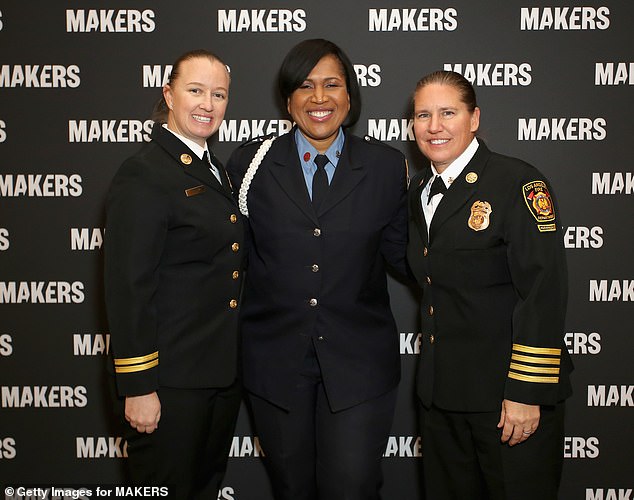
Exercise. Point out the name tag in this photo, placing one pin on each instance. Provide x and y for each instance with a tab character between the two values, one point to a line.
195	190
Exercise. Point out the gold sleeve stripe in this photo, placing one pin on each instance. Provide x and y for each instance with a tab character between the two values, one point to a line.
535	360
531	378
134	361
136	368
534	369
536	350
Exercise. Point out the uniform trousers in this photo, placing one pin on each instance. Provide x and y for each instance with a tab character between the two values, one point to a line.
188	451
464	459
312	453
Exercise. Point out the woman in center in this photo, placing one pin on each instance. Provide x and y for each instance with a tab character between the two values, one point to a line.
326	213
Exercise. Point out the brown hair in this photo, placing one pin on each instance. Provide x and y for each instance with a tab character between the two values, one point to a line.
455	80
160	110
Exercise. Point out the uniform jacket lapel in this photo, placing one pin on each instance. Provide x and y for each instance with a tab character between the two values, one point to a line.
287	171
416	204
226	187
348	174
192	165
460	190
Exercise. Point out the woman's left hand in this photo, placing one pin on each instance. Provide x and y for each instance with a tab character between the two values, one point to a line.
518	421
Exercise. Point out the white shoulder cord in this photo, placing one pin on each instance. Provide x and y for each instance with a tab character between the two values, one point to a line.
248	176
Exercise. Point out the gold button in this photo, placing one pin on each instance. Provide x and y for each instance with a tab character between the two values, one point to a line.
431	310
432	338
235	275
312	302
233	303
425	252
428	280
235	247
315	268
316	232
233	218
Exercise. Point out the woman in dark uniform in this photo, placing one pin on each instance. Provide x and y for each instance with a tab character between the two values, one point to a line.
486	248
173	265
320	348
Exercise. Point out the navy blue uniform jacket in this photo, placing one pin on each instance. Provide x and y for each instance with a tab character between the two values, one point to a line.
322	275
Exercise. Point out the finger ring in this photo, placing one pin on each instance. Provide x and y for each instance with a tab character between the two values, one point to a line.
527	433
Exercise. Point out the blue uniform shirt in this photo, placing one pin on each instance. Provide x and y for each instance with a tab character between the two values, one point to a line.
306	150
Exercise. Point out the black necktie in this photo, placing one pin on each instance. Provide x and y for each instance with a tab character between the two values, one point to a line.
438	186
209	158
320	180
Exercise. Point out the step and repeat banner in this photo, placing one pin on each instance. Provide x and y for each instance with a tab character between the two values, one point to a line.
78	80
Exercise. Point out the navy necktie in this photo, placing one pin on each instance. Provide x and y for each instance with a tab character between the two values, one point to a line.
320	180
438	186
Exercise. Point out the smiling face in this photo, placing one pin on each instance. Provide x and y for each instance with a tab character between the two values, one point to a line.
443	125
197	98
321	103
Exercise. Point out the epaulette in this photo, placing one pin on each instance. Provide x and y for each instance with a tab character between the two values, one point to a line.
257	140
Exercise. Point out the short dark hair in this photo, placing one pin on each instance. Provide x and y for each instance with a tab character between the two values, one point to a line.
301	60
455	80
160	111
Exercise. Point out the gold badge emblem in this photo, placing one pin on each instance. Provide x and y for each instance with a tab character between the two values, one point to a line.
471	177
479	218
538	201
186	159
542	204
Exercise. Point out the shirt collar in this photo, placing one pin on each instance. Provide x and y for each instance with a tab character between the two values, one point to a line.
453	171
307	151
196	148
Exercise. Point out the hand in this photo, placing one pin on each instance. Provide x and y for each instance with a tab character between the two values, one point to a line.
518	421
143	412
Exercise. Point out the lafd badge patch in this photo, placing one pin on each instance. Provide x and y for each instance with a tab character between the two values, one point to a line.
479	218
538	201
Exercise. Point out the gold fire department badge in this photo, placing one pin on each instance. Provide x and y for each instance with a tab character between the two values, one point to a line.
479	218
471	177
186	159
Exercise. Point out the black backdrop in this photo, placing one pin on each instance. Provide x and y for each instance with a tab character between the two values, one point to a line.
77	82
